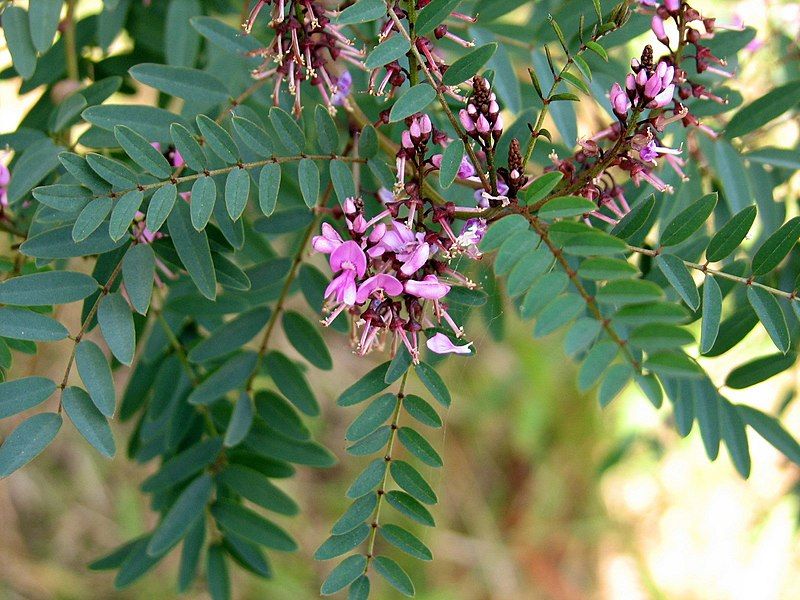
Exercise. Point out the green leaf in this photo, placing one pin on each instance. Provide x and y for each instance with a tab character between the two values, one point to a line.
469	64
558	313
414	100
617	377
594	243
759	369
21	394
363	11
38	161
308	176
138	272
394	48
27	441
518	244
67	112
434	383
182	44
219	582
501	230
46	288
251	526
735	436
22	324
88	420
233	373
528	269
224	36
603	268
62	197
583	333
597	49
410	507
241	421
394	574
18	39
688	221
706	406
306	339
679	278
253	136
419	447
777	157
237	190
597	360
433	14
58	243
358	512
541	187
451	162
771	316
421	411
190	553
183	465
269	184
771	430
776	247
257	488
142	152
566	206
342	180
182	82
732	176
408	478
230	336
291	382
728	238
405	541
629	291
193	250
372	417
633	222
372	443
660	336
289	132
672	364
43	19
660	312
90	218
368	142
327	134
763	110
366	387
123	213
161	206
188	147
114	172
184	512
712	314
96	375
336	545
219	140
346	572
150	122
545	289
116	324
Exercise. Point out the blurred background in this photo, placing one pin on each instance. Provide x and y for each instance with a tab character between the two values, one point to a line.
543	495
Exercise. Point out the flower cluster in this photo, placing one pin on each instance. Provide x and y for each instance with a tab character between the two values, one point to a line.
392	271
305	47
394	74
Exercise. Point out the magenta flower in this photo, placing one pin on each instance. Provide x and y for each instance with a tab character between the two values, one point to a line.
5	179
350	262
441	344
377	286
329	241
619	100
429	288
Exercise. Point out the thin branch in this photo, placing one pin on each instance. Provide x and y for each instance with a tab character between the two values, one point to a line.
747	281
388	458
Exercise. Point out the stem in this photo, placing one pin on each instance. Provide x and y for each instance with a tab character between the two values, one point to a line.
296	262
85	326
210	173
591	303
792	296
388	458
413	58
70	48
443	101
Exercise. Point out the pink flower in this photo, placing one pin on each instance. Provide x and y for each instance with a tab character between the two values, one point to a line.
441	344
377	285
350	262
329	241
619	100
5	179
343	85
430	288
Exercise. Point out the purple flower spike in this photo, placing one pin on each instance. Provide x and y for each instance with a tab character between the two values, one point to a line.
441	344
